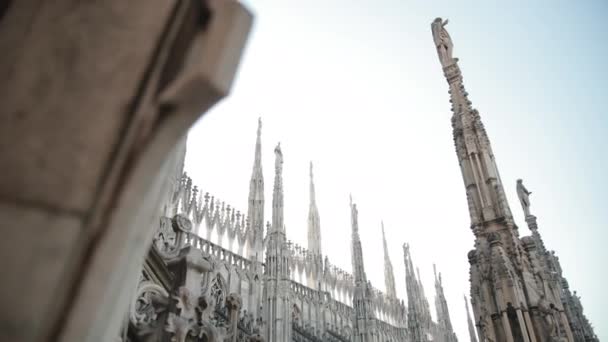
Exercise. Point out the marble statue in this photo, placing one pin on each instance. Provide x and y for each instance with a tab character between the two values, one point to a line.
443	42
524	198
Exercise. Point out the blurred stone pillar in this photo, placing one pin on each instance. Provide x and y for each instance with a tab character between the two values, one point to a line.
94	97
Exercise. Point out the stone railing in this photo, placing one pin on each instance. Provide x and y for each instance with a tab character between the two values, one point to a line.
303	334
176	233
338	281
390	332
305	291
218	253
318	268
208	215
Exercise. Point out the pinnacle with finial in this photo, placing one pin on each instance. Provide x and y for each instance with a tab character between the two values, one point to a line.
259	126
311	170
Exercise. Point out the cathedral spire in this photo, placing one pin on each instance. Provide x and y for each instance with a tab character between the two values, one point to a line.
278	225
255	208
500	257
314	225
357	252
485	193
389	277
363	320
469	321
443	314
277	303
418	317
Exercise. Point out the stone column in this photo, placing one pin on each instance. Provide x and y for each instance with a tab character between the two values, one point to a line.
188	306
506	326
522	325
566	325
529	326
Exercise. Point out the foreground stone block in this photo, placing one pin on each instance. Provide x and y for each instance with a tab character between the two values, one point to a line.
94	97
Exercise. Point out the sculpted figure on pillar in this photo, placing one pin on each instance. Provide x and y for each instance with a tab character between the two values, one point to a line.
443	42
523	195
551	323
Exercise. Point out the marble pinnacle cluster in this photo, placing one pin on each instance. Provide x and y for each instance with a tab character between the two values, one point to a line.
216	274
518	292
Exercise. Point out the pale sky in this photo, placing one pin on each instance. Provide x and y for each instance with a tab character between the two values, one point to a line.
356	87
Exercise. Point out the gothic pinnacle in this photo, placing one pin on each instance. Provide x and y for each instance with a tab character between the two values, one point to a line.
255	210
484	190
277	195
314	225
389	277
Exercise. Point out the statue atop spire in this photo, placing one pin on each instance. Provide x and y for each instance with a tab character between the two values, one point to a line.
357	252
354	215
278	162
277	303
389	277
258	144
524	198
259	126
443	42
485	193
277	195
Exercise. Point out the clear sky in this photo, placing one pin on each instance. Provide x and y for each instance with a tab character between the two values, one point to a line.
356	87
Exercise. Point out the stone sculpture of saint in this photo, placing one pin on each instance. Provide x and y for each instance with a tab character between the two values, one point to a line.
547	313
524	198
443	42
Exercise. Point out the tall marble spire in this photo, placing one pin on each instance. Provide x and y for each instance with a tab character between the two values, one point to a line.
443	314
389	276
277	304
255	203
500	257
314	225
364	329
418	315
469	321
278	223
485	193
314	239
357	252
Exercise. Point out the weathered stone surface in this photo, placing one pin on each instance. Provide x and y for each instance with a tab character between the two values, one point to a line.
38	244
67	87
94	97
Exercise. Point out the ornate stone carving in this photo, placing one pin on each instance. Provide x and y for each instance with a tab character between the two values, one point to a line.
550	320
165	240
150	299
443	42
170	236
